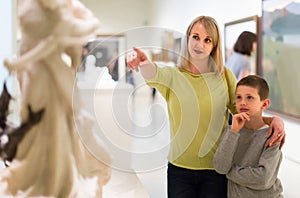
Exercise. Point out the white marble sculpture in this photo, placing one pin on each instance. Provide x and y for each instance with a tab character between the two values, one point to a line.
52	160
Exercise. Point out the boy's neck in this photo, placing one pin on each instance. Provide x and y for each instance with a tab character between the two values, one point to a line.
255	123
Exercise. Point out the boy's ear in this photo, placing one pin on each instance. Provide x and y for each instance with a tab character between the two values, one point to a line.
266	104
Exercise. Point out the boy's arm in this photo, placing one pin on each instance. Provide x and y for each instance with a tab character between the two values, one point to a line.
263	175
224	155
276	131
226	149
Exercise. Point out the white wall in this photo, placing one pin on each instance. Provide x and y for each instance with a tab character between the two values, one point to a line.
178	14
119	15
6	35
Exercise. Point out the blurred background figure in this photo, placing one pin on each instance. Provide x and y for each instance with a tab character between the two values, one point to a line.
239	60
113	67
85	53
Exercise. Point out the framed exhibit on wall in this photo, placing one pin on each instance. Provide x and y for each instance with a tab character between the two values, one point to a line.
280	54
233	29
105	51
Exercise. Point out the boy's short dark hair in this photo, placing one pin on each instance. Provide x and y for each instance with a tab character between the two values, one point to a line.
256	82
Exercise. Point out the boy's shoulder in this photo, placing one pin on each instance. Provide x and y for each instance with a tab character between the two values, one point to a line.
261	132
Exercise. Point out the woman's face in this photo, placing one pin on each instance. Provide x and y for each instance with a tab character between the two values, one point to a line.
200	42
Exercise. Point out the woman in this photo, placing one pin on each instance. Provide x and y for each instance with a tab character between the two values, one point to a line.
199	93
239	60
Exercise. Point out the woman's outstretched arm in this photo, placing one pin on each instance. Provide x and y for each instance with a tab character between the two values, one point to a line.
138	60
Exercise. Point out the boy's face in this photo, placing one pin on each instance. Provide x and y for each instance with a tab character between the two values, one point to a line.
248	100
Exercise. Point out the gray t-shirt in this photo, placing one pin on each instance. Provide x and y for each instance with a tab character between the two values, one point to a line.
250	166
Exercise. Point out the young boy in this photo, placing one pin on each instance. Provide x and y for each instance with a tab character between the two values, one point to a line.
250	166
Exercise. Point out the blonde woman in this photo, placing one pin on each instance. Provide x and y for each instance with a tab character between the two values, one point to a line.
199	93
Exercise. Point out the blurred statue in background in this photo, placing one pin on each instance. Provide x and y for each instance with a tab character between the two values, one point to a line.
51	159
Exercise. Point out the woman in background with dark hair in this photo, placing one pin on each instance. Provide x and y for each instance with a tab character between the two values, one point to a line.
239	60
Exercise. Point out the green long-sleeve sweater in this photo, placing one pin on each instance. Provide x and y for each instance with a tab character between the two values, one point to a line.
198	110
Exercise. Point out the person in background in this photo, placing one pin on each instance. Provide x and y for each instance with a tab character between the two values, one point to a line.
250	166
239	61
84	54
198	92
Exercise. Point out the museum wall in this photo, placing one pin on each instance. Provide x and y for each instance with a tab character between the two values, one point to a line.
7	35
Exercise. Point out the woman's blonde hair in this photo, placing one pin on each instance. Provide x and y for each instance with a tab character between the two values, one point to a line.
216	57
